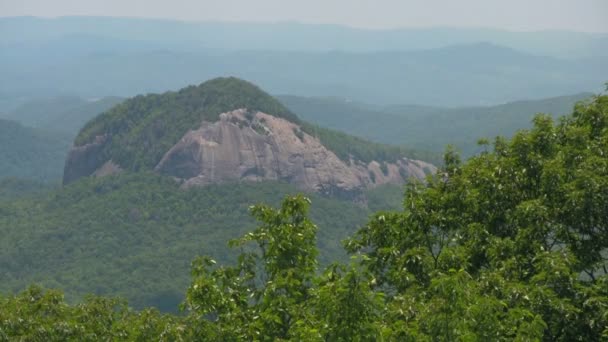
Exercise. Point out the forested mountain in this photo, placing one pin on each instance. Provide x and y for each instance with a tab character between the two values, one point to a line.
63	114
427	128
509	245
31	153
471	73
227	129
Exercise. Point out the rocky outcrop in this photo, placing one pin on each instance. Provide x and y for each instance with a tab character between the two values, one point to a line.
248	146
258	146
84	160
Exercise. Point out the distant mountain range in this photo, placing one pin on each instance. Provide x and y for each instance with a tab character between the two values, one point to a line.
424	127
65	114
290	36
93	57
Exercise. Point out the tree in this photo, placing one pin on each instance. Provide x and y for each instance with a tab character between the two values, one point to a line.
512	242
263	296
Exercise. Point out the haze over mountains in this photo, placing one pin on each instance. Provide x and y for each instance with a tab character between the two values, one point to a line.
94	57
428	128
292	36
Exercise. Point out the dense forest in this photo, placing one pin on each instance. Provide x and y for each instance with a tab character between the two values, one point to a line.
31	153
509	245
113	234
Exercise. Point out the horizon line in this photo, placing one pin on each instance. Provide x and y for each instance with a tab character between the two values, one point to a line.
303	23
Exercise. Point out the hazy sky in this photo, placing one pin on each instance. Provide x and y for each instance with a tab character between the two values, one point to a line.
579	15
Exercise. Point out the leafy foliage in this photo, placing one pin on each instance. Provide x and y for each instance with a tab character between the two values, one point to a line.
511	244
39	315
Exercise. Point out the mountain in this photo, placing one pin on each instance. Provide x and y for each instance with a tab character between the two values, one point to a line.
26	152
227	130
287	36
424	127
65	114
153	57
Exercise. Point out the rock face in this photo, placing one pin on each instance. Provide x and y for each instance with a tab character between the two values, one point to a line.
248	146
84	160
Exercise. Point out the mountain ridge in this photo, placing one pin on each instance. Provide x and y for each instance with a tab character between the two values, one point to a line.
311	36
404	71
425	127
225	130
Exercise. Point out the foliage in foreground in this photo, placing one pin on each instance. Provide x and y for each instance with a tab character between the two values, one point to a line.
508	246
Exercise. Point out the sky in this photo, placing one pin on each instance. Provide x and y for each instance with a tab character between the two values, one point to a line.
518	15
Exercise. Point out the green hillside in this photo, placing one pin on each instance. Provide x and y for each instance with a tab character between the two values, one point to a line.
134	235
423	127
66	114
31	153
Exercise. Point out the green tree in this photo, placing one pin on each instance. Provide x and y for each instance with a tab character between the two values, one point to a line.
511	243
263	296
